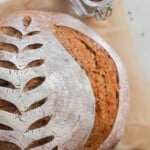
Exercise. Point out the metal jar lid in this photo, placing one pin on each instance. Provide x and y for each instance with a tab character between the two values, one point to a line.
101	9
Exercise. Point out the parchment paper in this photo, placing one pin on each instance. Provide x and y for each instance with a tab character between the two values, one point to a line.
117	33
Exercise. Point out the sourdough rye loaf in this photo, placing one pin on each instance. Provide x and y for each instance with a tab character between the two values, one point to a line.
69	87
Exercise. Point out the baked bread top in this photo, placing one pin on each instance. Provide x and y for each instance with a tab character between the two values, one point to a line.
55	52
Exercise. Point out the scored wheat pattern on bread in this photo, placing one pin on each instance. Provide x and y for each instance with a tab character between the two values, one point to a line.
35	110
7	105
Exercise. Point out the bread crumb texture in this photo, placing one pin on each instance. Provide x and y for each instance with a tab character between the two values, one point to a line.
101	70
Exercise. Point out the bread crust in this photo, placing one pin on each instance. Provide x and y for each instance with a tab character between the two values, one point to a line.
68	21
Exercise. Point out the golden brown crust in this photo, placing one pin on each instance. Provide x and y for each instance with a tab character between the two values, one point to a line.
102	73
4	145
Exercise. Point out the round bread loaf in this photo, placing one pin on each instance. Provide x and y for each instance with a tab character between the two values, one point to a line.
55	73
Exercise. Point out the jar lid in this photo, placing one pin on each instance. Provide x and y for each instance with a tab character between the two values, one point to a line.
101	9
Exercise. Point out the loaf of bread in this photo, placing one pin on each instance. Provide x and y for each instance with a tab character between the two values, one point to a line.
61	86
